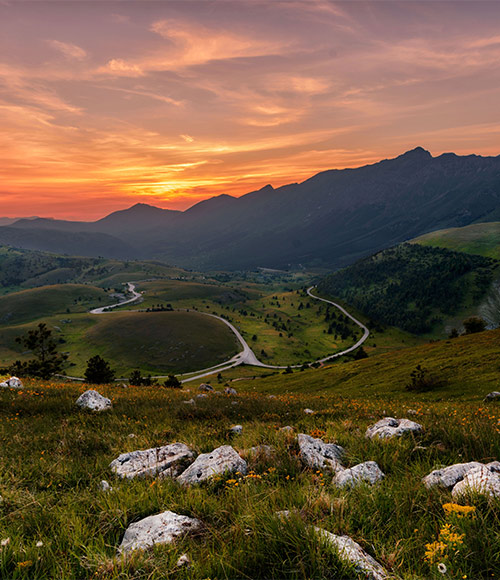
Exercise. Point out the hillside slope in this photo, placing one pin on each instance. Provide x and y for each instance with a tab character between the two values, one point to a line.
411	286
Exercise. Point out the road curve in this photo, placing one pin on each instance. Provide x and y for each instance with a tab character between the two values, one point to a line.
246	356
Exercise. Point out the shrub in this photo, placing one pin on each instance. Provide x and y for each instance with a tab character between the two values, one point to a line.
474	324
422	380
172	382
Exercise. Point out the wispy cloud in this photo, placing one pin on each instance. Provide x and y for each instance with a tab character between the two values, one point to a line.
70	51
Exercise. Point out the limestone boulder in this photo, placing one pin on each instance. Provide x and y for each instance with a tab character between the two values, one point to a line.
12	383
351	552
317	454
222	460
166	461
389	427
479	480
449	476
230	391
162	528
206	388
93	401
368	472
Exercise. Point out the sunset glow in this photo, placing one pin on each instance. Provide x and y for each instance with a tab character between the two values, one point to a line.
106	104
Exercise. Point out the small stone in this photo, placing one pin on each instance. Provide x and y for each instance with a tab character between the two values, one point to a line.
183	561
190	402
104	485
235	402
202	396
93	401
206	388
222	460
494	395
287	429
271	396
131	435
162	528
166	461
389	427
317	454
308	411
236	429
368	472
230	391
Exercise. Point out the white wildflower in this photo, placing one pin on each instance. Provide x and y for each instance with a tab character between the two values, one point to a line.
442	568
5	542
39	544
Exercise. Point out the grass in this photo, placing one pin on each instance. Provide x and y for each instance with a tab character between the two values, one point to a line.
32	304
482	239
54	456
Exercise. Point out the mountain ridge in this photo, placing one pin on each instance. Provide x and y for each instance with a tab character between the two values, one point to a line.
330	219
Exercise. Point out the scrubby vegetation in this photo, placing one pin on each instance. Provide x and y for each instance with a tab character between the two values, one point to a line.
412	286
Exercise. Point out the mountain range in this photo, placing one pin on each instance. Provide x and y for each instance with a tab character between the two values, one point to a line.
329	220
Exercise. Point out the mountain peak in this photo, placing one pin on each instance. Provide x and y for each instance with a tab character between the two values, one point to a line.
417	153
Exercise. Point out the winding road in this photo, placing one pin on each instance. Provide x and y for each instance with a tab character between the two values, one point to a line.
246	356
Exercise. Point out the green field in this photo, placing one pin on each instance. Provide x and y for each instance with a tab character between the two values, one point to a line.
36	303
482	239
59	524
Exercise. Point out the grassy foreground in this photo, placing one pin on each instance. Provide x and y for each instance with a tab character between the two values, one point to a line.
56	523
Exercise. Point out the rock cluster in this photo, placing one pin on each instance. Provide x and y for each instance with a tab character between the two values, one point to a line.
466	478
319	455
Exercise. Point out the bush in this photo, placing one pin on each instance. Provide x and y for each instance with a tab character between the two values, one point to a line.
98	371
474	324
172	382
137	380
422	380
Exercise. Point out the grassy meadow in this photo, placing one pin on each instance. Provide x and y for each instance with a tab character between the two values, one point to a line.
55	522
482	239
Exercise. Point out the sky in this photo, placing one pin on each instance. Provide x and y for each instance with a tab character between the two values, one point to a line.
107	104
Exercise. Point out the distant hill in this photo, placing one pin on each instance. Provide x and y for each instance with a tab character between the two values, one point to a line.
413	287
482	239
331	219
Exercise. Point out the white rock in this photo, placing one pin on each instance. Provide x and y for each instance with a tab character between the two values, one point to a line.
230	391
4	385
491	396
166	461
390	427
162	528
14	383
183	561
190	402
319	455
449	476
93	401
367	472
221	460
202	396
287	429
480	480
308	411
351	552
104	485
236	429
206	388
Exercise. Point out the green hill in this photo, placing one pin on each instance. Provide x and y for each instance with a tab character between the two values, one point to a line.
413	287
36	303
482	239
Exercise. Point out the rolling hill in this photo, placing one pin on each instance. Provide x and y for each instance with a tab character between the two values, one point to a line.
330	220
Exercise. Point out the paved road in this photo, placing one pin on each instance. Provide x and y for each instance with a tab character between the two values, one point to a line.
131	290
246	356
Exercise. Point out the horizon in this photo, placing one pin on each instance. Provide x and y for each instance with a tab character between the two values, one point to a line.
172	103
